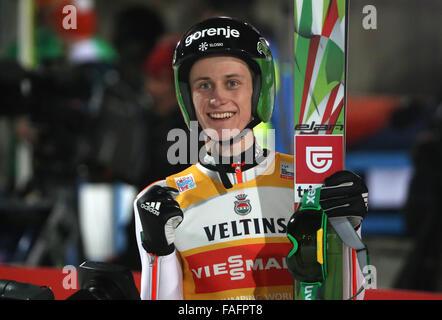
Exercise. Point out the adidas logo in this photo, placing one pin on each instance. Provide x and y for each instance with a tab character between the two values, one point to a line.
152	207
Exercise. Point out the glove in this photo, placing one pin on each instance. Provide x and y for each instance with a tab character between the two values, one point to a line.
160	215
344	193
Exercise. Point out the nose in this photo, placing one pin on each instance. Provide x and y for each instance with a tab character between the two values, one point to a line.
218	97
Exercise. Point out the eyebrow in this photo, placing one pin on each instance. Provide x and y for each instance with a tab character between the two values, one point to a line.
232	75
200	78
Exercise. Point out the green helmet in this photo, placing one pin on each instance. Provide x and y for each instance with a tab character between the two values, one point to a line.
224	35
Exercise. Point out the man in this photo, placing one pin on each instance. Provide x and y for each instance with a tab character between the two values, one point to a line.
217	230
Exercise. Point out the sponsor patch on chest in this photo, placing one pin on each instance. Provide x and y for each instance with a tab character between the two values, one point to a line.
286	170
242	205
185	183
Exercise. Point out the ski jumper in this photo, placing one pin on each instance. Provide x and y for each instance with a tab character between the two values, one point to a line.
232	243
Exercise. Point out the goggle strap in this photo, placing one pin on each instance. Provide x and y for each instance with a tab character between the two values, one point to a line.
310	290
310	200
349	236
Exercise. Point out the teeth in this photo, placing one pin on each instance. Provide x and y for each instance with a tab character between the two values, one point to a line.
221	115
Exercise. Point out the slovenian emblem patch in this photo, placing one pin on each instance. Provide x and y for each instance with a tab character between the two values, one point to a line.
242	205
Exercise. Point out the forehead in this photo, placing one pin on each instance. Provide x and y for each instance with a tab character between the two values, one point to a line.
219	65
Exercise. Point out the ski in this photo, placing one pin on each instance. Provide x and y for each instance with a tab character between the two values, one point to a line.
320	74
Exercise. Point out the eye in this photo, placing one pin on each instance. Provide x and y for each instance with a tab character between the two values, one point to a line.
204	85
233	83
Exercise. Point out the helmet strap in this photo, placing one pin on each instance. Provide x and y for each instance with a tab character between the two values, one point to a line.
240	135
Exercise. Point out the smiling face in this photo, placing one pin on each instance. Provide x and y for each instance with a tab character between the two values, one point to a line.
222	90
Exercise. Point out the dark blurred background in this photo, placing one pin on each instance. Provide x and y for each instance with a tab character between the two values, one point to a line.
85	107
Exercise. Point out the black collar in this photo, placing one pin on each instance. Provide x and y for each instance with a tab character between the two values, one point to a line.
246	160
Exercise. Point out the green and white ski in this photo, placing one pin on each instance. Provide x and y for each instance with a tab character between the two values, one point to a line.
320	69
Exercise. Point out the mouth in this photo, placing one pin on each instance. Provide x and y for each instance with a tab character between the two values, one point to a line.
221	115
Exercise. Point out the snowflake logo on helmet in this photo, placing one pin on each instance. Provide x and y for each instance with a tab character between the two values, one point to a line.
203	46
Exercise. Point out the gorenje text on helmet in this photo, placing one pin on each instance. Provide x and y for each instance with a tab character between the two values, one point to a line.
226	32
